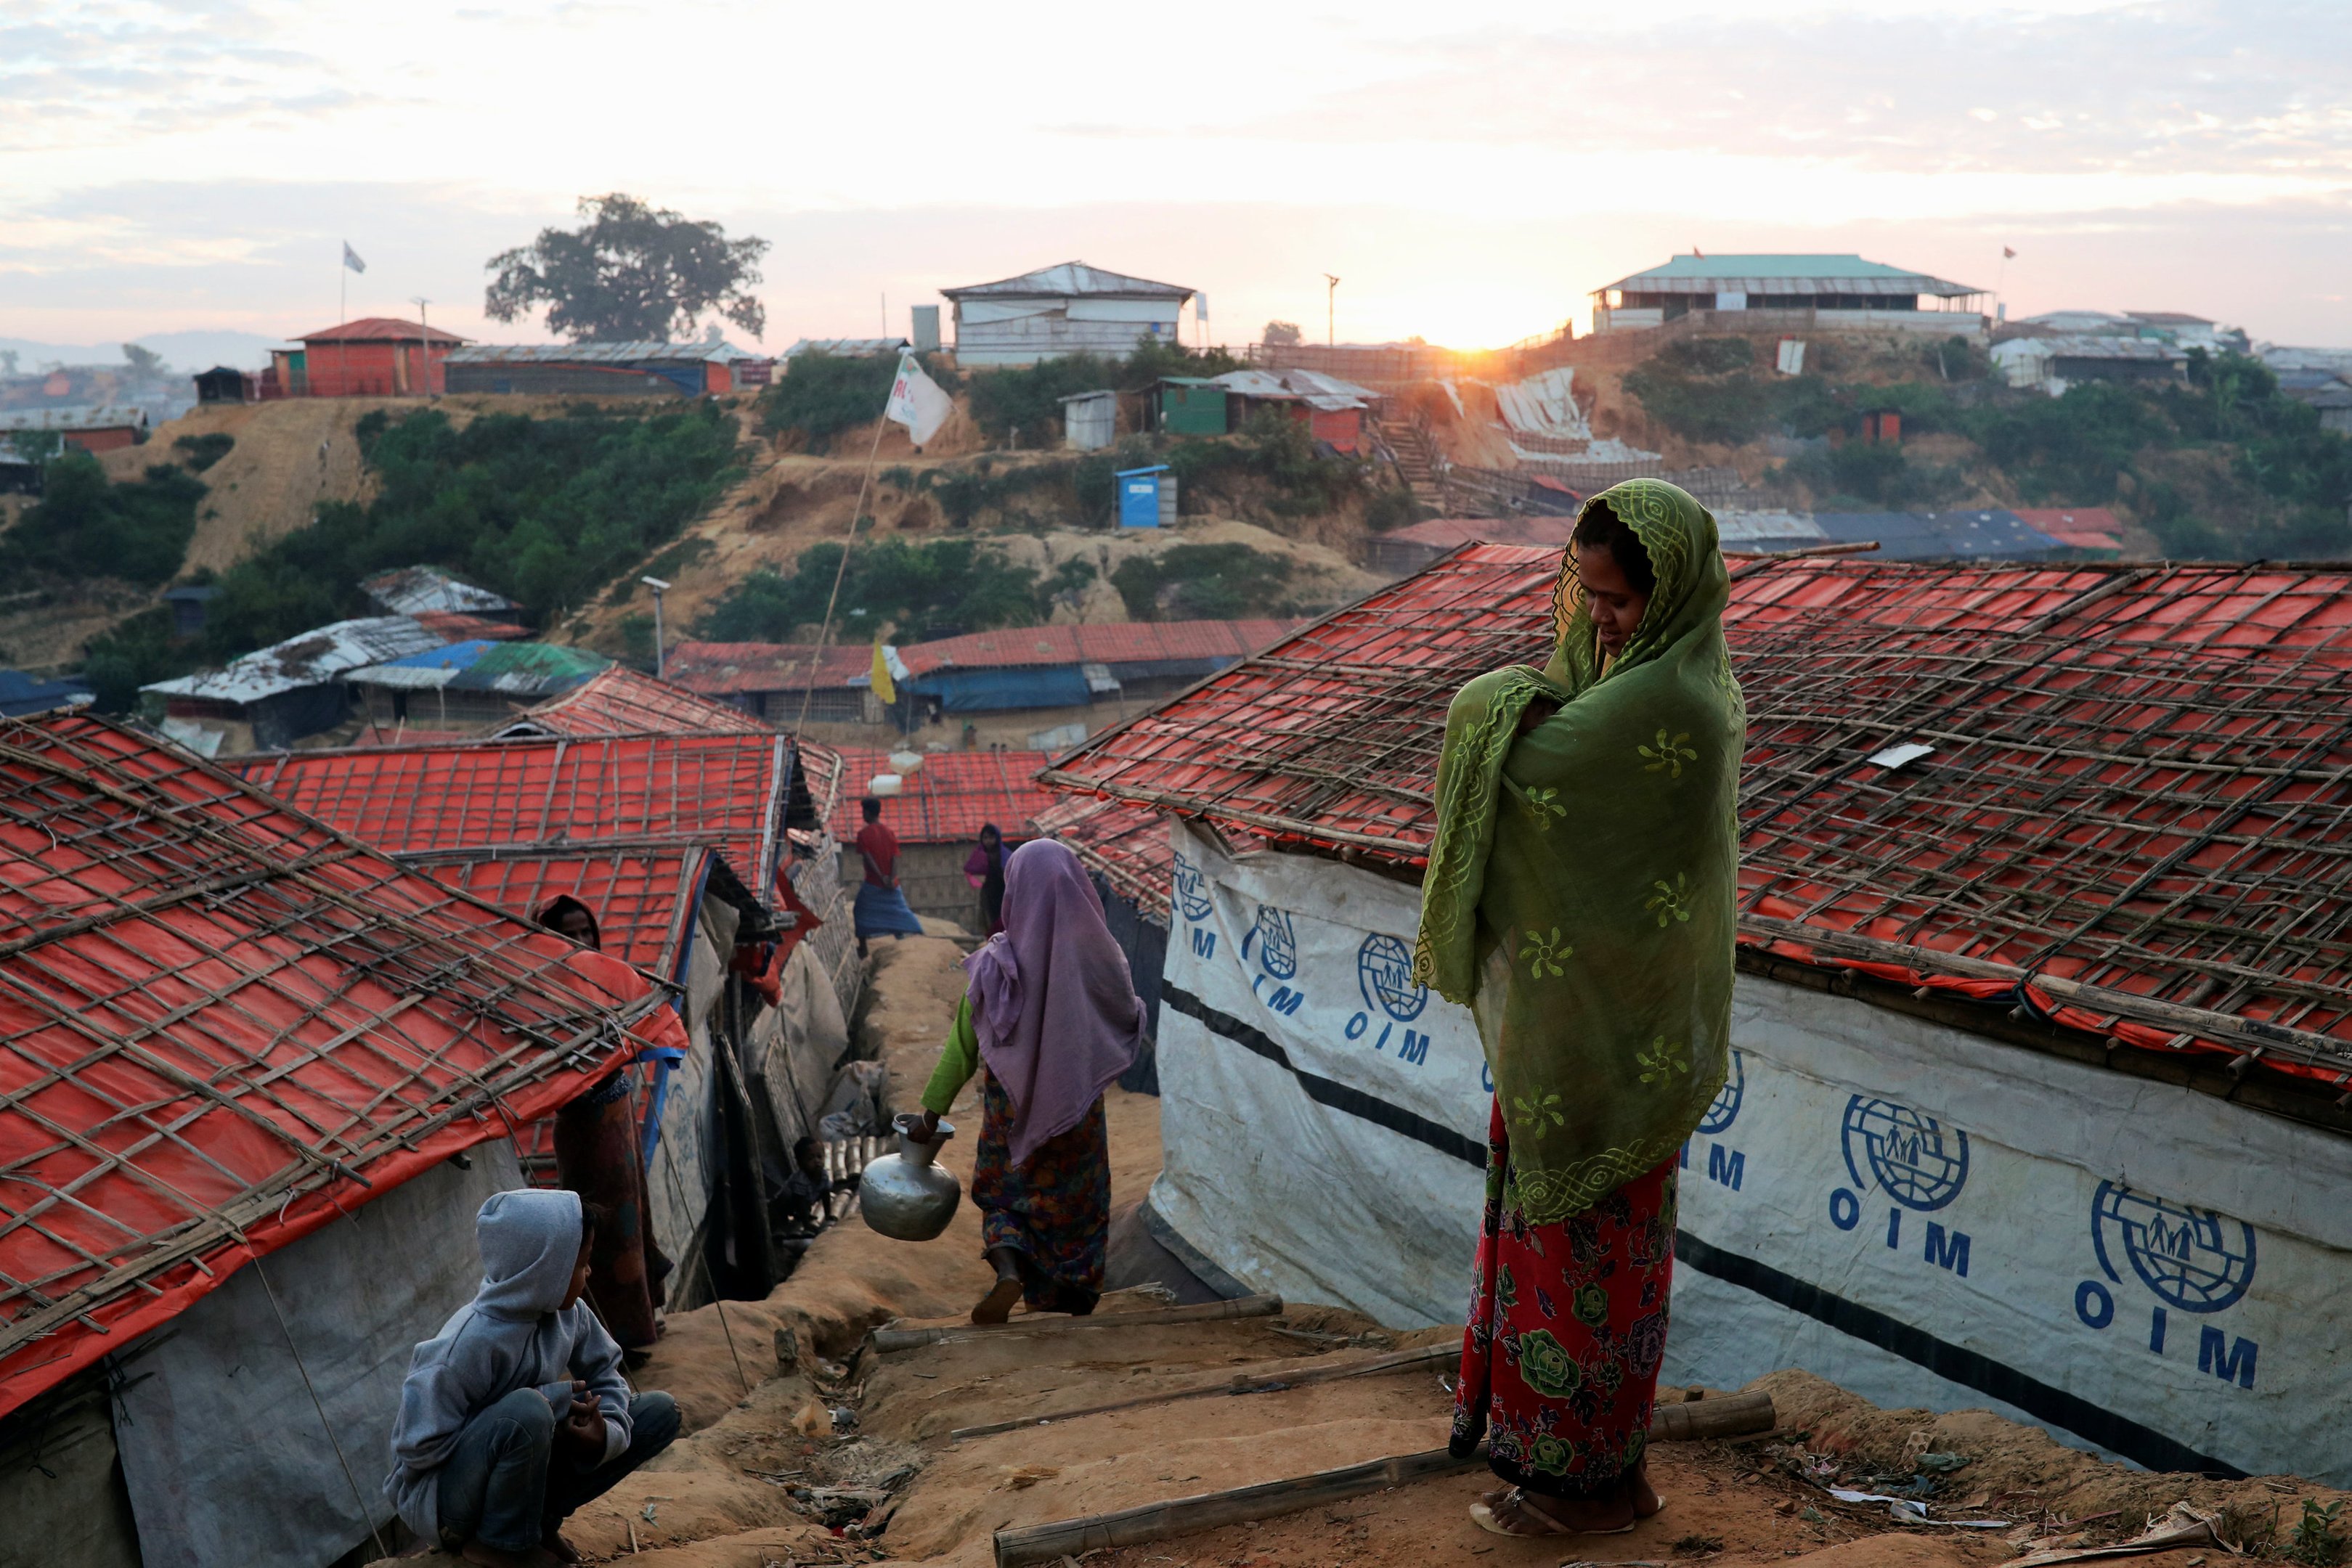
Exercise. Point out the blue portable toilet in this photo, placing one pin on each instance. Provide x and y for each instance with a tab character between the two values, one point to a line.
1146	497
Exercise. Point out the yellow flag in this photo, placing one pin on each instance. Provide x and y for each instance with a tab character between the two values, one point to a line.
883	689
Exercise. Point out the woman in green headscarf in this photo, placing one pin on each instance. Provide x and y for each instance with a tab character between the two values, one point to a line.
1580	899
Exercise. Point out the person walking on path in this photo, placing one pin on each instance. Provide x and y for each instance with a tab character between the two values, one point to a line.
1051	1011
985	868
1581	900
881	909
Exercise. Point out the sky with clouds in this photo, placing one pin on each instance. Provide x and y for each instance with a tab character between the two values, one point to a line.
1470	169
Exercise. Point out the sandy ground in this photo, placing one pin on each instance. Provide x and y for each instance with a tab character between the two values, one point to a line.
784	1395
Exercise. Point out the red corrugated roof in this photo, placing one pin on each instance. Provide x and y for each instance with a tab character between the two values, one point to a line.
2137	817
643	899
221	1026
720	669
1127	844
621	701
379	329
634	792
2083	528
1120	643
948	798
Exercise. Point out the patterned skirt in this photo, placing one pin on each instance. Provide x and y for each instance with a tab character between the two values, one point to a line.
1567	1323
1054	1213
597	1156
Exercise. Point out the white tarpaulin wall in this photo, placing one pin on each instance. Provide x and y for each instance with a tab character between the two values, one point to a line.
1921	1215
1325	1119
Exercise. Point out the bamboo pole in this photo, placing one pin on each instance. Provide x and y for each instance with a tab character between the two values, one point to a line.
1259	1383
888	1341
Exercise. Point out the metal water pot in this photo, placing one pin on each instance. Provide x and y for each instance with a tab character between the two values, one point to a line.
907	1195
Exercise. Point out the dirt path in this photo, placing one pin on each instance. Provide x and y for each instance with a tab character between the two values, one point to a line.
807	1446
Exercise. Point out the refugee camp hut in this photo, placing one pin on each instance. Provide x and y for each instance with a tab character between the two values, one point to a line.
937	810
1125	851
2040	986
1985	534
2087	533
1332	410
1089	420
423	589
618	700
244	1062
781	682
465	685
302	686
1071	308
377	356
1788	293
738	796
1074	674
224	383
1190	405
616	369
93	429
21	694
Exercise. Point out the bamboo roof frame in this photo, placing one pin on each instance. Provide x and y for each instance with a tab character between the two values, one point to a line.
2137	815
222	1023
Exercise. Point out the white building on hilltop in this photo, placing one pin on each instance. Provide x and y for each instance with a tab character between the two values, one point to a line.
1071	308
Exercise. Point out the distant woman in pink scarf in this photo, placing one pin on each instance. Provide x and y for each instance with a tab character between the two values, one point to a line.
1051	1013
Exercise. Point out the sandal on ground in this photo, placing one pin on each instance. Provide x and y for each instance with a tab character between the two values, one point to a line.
1516	1514
997	1305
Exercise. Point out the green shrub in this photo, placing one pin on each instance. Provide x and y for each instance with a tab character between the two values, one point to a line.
1708	356
135	652
87	527
1027	399
1203	583
1871	476
205	450
934	588
1393	506
821	395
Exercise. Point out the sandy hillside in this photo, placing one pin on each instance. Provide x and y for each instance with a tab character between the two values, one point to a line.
807	1446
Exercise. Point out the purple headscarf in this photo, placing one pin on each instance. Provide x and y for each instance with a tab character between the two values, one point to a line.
1052	1000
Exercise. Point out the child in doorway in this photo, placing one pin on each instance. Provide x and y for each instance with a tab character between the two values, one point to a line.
516	1412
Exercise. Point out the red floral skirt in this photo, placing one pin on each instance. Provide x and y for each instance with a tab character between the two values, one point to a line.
1567	1323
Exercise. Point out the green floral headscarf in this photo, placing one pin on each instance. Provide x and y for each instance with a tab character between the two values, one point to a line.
1580	895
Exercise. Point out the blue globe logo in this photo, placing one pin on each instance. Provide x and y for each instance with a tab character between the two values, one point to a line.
1277	951
1918	1162
1191	890
2193	1259
1385	971
1724	1108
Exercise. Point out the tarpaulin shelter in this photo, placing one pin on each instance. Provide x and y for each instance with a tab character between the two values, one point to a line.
622	701
294	688
718	829
937	815
1125	849
2041	986
483	680
229	1034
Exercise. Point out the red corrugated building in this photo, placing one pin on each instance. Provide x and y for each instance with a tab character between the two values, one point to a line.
377	356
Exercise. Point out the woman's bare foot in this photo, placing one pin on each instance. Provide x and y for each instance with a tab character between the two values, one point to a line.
1517	1513
997	1305
1646	1501
562	1551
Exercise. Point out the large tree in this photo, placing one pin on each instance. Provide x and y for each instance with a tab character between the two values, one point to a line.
631	273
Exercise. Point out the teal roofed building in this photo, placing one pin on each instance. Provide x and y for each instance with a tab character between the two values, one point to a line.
470	684
1788	293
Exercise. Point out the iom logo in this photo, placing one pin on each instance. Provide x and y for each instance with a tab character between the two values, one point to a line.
1918	1162
1191	890
1384	971
1725	1109
1277	949
2193	1259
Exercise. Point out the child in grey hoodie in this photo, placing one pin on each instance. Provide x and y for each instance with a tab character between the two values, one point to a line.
516	1412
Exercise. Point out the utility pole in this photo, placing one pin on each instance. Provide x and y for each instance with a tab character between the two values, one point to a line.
1330	312
659	587
424	330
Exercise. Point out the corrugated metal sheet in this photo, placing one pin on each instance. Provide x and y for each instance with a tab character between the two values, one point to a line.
595	354
1117	643
1070	281
520	669
98	417
1942	536
1785	274
847	347
330	652
379	329
621	701
413	589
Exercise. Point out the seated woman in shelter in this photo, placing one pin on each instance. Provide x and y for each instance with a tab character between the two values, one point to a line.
1051	1012
1580	900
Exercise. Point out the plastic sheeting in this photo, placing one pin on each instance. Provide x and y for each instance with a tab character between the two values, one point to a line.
1324	1118
61	1489
223	1451
1542	405
988	691
794	1046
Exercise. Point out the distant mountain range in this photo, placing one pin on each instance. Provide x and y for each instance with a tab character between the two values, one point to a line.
185	351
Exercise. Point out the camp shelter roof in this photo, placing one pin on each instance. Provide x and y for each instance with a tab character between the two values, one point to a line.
115	417
1990	534
379	329
1116	642
1071	279
2134	816
948	798
618	700
643	899
2076	528
517	669
221	1024
1126	845
455	626
21	694
571	793
413	589
328	654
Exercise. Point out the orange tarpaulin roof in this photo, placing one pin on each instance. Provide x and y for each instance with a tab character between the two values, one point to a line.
222	1024
949	797
2133	813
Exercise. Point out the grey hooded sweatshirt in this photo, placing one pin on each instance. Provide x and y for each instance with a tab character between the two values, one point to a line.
510	1335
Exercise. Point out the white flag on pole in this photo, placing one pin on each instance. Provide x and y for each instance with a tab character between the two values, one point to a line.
916	401
352	258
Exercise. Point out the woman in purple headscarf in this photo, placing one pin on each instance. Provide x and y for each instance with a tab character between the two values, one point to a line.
1051	1013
